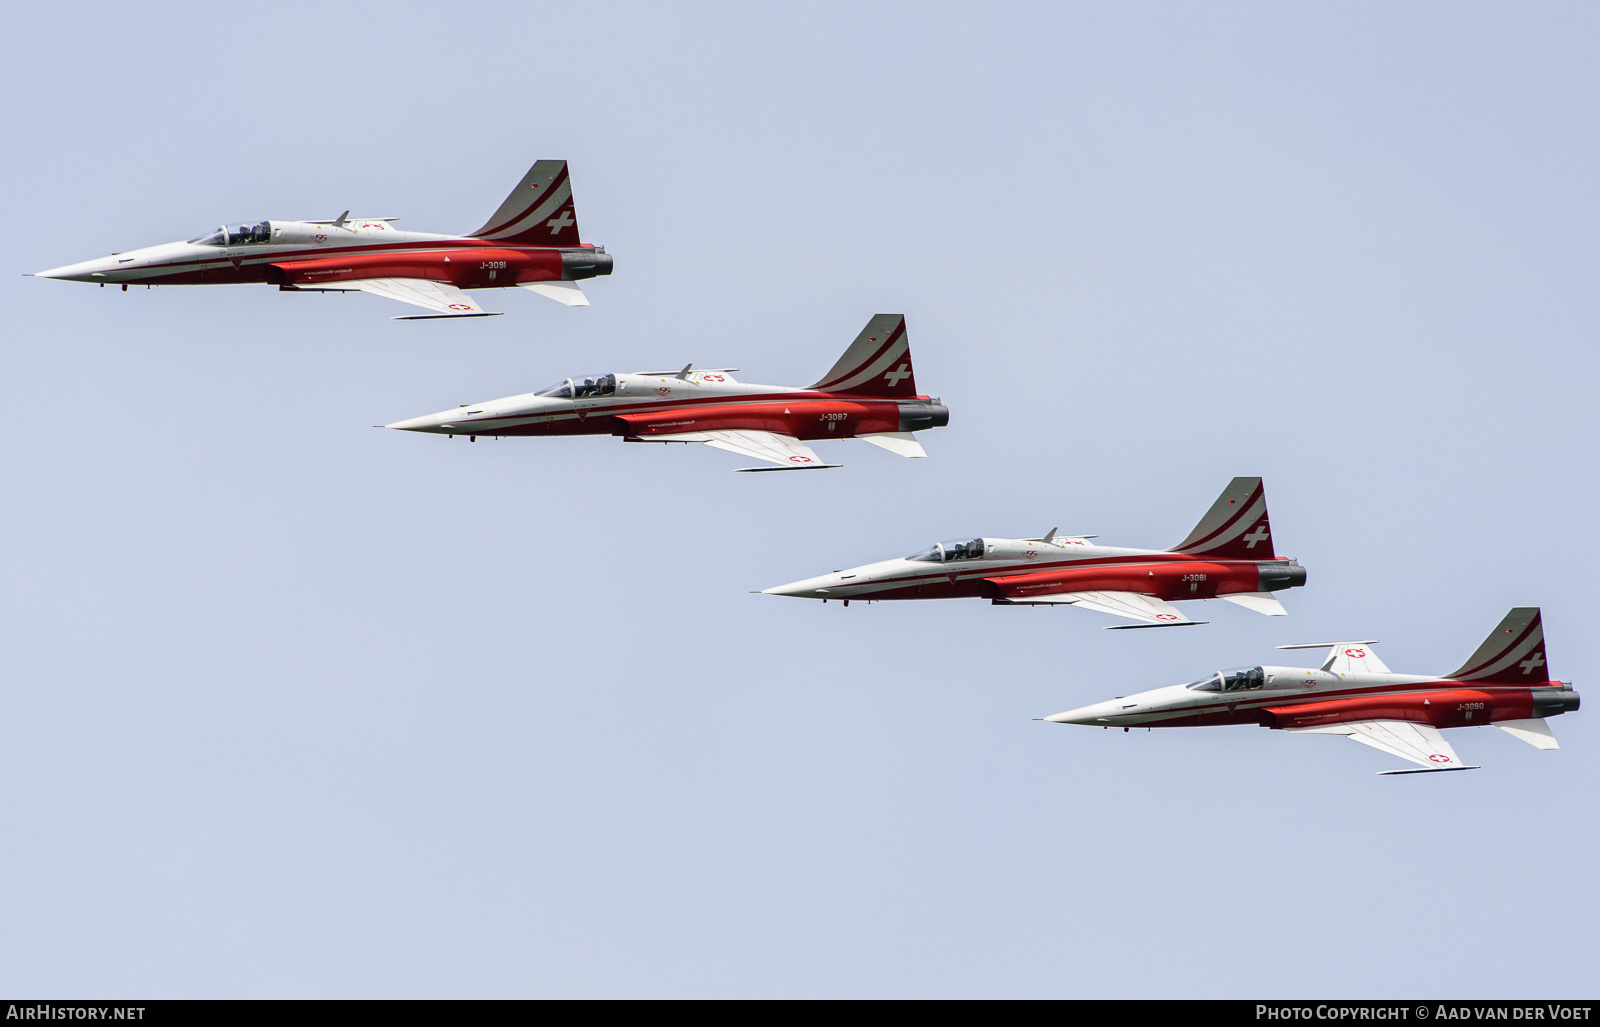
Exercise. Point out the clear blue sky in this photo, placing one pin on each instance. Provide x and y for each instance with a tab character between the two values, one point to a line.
296	707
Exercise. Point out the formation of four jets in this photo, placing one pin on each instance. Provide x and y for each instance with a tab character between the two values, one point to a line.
532	242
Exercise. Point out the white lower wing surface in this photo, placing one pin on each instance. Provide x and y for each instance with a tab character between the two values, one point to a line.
1422	744
1154	612
438	296
788	452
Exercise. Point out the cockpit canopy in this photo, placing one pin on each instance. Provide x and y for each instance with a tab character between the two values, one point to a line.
946	552
1239	679
582	387
236	235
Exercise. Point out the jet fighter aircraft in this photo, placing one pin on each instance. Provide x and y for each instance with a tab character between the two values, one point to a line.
531	242
871	395
1228	556
1503	684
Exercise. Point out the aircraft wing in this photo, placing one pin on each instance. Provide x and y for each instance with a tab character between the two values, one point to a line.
442	297
1422	744
788	452
1156	613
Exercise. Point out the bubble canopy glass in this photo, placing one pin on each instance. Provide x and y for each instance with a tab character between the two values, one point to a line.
1239	679
946	552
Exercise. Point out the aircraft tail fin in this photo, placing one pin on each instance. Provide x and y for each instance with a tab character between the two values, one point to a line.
1513	653
878	363
1235	527
538	212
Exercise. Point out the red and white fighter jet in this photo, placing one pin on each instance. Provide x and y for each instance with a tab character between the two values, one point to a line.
531	241
1228	556
1504	684
871	395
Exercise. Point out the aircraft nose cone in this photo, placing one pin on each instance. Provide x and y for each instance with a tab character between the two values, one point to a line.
1081	715
428	422
810	588
83	271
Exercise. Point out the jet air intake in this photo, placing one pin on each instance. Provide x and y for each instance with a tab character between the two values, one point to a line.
1280	574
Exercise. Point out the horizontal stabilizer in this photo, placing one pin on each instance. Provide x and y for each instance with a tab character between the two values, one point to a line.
901	443
1535	732
565	293
1261	602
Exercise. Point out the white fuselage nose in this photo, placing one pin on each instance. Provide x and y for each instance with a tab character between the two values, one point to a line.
484	417
1139	708
124	267
846	584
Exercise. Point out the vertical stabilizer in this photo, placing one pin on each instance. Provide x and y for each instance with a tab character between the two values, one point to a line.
539	211
1512	654
1235	527
878	363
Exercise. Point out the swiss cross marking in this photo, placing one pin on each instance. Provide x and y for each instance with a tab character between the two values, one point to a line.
558	223
897	375
1259	535
1532	663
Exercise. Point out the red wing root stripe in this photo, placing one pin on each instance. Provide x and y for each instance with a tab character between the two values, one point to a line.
338	252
